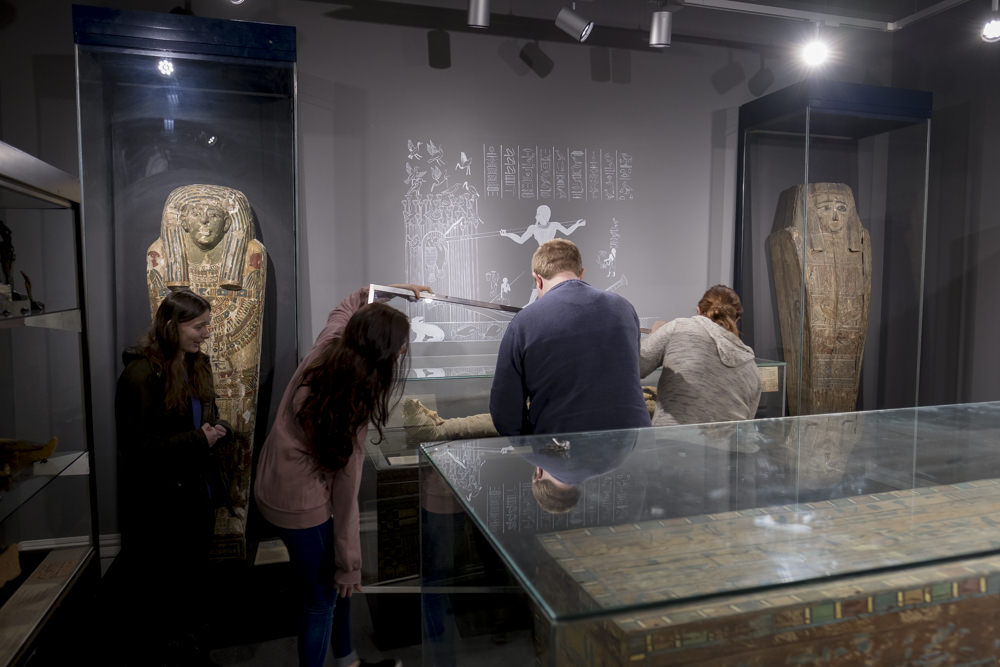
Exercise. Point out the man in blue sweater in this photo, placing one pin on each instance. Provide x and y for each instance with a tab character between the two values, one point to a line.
569	361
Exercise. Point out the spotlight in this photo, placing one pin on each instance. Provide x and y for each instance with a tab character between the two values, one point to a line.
659	28
991	29
573	24
165	67
479	14
815	53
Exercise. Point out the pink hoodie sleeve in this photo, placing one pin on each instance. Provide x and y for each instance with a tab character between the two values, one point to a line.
346	517
339	317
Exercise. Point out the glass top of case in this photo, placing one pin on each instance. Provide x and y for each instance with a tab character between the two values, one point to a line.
684	513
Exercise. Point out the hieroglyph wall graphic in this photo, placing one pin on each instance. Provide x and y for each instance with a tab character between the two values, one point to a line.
207	244
820	250
456	248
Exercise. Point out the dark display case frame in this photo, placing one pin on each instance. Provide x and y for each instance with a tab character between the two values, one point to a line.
875	140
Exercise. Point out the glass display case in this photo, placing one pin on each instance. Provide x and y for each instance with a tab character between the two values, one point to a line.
864	537
183	118
47	517
829	246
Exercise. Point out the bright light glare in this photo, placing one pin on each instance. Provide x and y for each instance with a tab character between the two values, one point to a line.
815	53
426	300
166	67
991	31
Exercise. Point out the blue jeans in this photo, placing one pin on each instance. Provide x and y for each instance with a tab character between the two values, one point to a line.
326	621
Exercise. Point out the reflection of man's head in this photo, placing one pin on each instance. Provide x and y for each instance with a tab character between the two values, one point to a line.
205	221
831	209
553	496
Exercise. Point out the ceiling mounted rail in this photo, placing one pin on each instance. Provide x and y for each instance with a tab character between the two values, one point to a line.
821	17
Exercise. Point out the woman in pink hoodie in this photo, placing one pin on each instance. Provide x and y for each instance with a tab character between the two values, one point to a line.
309	470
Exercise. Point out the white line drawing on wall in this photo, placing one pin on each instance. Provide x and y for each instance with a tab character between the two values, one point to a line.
618	285
464	164
606	258
442	223
542	230
425	331
443	227
414	150
414	178
493	280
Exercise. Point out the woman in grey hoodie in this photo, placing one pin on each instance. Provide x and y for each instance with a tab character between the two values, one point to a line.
709	374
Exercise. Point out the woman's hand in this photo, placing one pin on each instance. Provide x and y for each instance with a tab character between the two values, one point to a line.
656	325
416	289
345	590
213	433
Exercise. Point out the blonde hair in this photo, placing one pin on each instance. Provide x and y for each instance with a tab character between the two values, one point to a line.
557	256
722	305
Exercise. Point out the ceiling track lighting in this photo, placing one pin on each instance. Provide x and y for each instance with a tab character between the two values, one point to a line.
660	28
573	24
991	28
479	14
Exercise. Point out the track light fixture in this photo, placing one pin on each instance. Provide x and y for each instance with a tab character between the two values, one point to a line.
479	14
573	24
991	29
659	28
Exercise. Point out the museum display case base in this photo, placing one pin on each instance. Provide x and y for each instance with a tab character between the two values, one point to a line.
27	610
943	615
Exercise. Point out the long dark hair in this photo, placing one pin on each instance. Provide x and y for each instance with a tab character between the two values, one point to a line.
185	373
352	381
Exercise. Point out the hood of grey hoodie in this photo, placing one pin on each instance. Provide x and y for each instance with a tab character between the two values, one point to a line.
732	351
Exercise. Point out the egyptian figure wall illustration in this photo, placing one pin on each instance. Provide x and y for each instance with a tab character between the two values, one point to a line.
818	236
207	244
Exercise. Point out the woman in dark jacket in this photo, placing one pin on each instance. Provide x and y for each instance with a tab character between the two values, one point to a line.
169	439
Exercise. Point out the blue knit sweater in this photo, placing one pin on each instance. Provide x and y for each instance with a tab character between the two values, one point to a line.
573	356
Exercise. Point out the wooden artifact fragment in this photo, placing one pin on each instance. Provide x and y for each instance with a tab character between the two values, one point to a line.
821	259
18	455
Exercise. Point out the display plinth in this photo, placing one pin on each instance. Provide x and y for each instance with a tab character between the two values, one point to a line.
864	536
